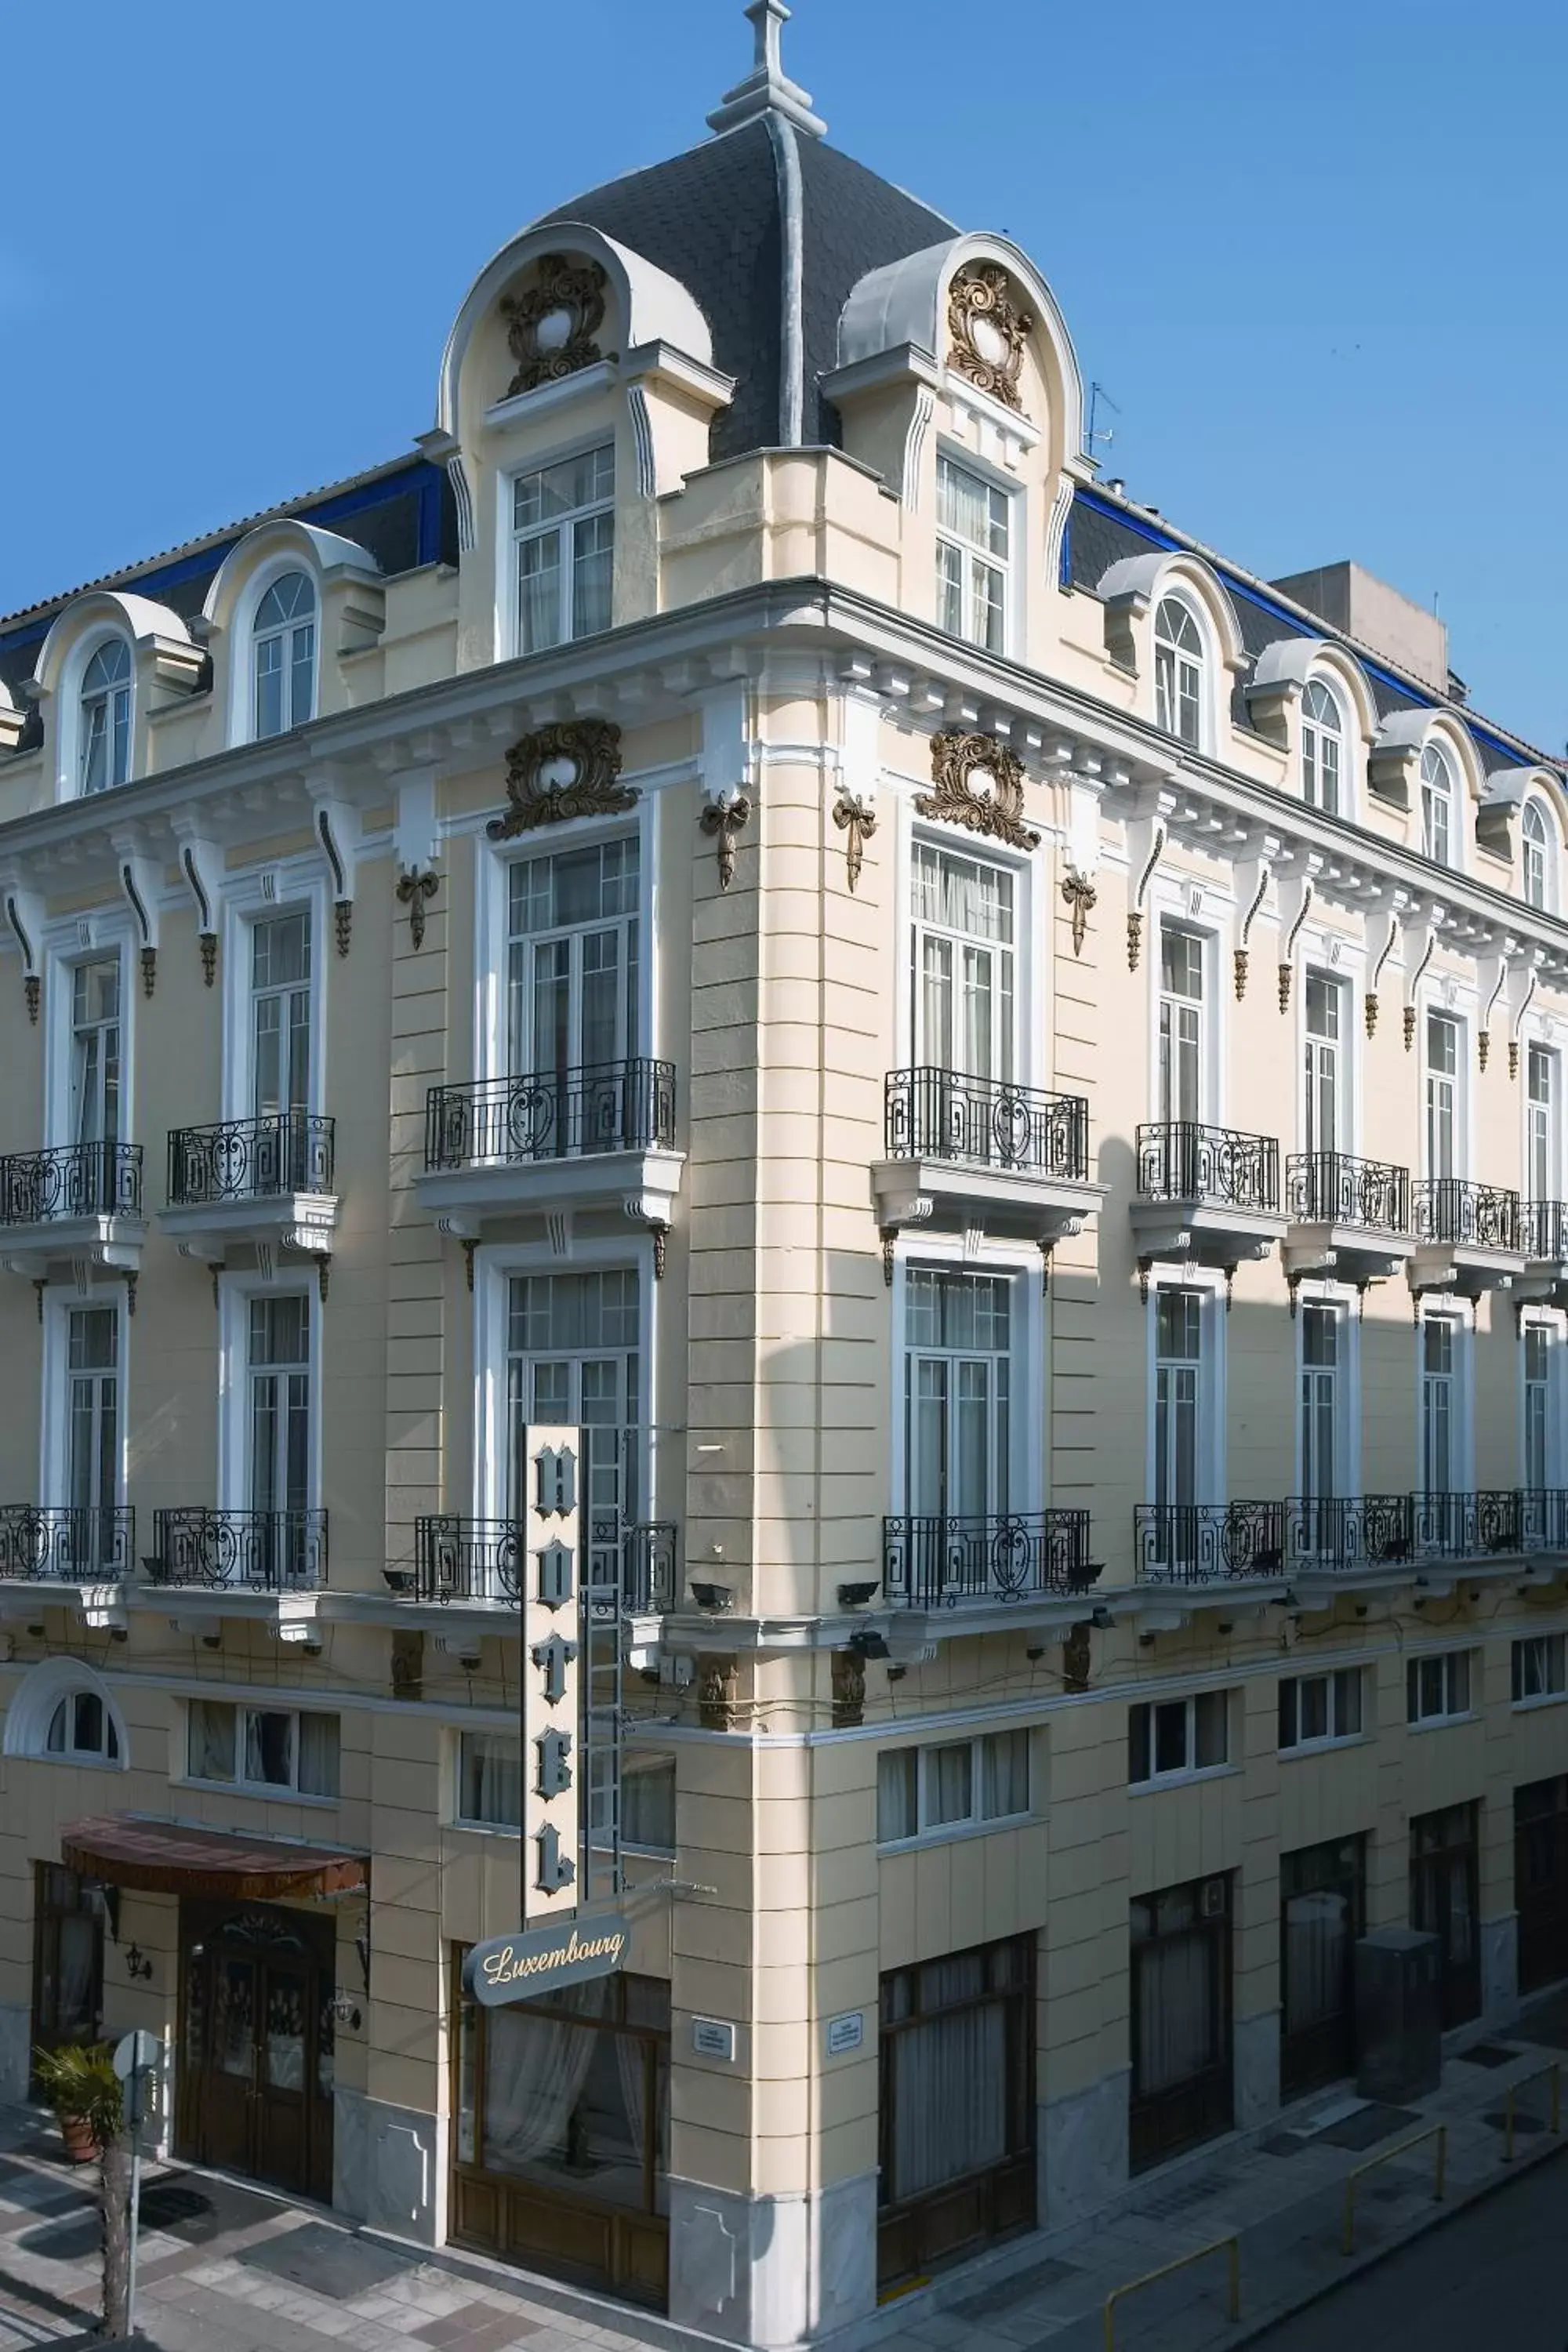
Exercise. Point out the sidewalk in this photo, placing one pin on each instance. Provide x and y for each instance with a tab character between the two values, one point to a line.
225	2268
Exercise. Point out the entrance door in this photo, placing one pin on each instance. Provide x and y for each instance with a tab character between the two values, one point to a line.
1541	1881
1322	1912
1181	2088
1445	1884
255	2093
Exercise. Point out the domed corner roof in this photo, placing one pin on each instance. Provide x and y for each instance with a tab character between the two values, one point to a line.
711	218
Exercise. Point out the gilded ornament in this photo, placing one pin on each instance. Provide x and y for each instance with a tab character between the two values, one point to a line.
1134	940
207	942
1483	1048
550	328
1083	898
1370	1012
413	890
1240	959
1285	988
1409	1028
858	823
980	784
989	331
568	769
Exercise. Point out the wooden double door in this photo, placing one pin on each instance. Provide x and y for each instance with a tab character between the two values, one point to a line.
258	2041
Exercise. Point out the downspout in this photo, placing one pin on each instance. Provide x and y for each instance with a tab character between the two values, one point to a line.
792	237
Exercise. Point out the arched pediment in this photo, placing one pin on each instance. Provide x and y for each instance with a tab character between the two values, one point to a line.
322	552
1281	670
149	627
1133	587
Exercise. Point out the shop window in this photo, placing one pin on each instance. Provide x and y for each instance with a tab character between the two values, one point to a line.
1316	1710
68	1958
958	1784
1444	1895
1181	1953
1171	1740
1322	1912
262	1749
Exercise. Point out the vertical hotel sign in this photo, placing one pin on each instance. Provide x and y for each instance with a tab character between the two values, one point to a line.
553	1631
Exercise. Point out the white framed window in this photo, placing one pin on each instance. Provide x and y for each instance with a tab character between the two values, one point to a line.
1437	815
964	1011
563	541
93	1412
283	656
1542	1351
103	751
1444	1063
1177	1739
958	1392
1442	1405
955	1784
1437	1689
1179	665
1535	856
1323	1091
973	535
1182	1075
81	1731
1322	747
1179	1386
647	1800
1319	1710
573	922
1540	1668
282	1014
1541	1114
96	1055
261	1749
490	1780
1324	1374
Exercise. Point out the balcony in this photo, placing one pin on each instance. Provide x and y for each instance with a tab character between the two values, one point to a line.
1545	1240
1295	1540
66	1543
1468	1237
598	1138
1205	1194
631	1570
1347	1217
196	1546
71	1202
935	1562
249	1181
965	1152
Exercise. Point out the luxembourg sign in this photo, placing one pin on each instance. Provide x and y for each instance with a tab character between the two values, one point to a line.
519	1967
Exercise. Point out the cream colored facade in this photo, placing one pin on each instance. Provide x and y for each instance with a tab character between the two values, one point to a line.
803	1266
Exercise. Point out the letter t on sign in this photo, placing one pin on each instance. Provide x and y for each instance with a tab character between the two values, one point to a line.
557	1476
552	1658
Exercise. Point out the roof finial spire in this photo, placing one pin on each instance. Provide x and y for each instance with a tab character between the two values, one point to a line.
767	89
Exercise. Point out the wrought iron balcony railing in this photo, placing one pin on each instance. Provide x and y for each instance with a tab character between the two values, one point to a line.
629	1568
66	1543
1478	1217
267	1551
934	1114
552	1115
1546	1231
1302	1535
71	1180
1329	1188
931	1561
1180	1160
250	1159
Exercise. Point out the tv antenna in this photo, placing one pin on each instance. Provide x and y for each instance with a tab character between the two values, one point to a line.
1100	398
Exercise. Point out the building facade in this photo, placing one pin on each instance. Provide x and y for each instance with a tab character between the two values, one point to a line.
1008	1073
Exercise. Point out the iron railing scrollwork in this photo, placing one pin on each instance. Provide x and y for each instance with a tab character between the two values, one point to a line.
250	1159
1180	1160
1306	1535
933	1114
1476	1216
933	1561
268	1552
1331	1188
552	1115
1546	1231
629	1568
66	1543
70	1179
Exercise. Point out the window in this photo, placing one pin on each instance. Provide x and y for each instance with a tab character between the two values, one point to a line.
957	1393
1540	1125
973	528
1169	1739
1322	1912
1178	671
280	1018
92	1424
1535	839
573	1358
82	1730
1439	1405
1321	1349
1181	2018
1322	746
262	1749
1442	1094
1178	1357
285	656
1325	1009
104	758
563	528
961	967
278	1370
1539	1339
1436	1688
95	1052
1437	806
961	1784
1445	1902
68	1958
1540	1667
572	975
1317	1710
1181	1074
647	1803
490	1780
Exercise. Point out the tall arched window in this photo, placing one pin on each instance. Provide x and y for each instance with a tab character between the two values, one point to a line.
106	718
285	641
1535	839
1178	671
1322	747
1437	807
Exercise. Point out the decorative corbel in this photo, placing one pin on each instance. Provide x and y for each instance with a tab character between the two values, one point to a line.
1394	759
1391	922
1252	882
1526	977
201	867
727	765
1492	977
1424	942
337	826
24	919
1294	892
1146	837
139	882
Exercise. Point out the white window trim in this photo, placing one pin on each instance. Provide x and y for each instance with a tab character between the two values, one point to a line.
1470	1714
1533	1032
241	641
1350	741
275	1793
1167	907
1016	569
1434	1000
32	1706
1211	1408
452	1810
1177	591
1348	1430
1554	1323
236	1291
1460	1313
1536	1698
1189	1772
1346	980
1458	803
1032	1010
68	710
302	888
956	1832
1028	1470
54	1419
62	951
1329	1739
605	435
1552	855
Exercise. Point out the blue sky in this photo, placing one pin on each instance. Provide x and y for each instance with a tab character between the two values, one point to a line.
1316	257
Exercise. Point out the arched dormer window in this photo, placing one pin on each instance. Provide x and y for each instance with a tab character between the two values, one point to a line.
1535	839
1437	806
1178	671
105	742
1322	747
284	656
64	1712
82	1730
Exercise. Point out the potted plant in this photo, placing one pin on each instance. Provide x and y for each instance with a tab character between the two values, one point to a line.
79	2083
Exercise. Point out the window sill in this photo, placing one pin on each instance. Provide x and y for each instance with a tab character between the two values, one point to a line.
1319	1746
954	1833
1444	1722
1538	1698
1182	1779
81	1763
485	1829
266	1792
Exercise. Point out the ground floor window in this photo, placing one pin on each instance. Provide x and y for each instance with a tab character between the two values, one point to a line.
1181	2018
68	1957
1322	1913
561	2147
1444	1888
1541	1881
957	2105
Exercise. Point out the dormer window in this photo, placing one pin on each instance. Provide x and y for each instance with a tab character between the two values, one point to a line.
106	718
1178	671
973	533
564	524
1322	747
1534	839
285	656
1437	807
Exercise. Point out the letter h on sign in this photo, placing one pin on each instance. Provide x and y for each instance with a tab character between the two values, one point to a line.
553	1636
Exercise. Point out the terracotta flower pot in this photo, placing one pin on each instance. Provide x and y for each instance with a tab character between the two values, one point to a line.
82	2144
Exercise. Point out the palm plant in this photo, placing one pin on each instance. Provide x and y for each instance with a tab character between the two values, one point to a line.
79	2083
